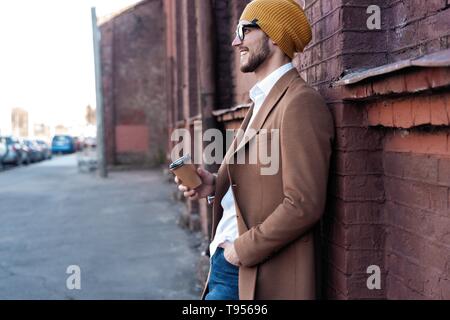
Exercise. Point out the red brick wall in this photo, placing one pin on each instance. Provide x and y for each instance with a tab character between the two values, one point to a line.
107	62
417	180
388	196
364	224
189	38
133	78
416	27
224	53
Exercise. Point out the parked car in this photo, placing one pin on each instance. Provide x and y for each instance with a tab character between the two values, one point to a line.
78	143
35	150
63	144
3	150
18	152
47	152
90	142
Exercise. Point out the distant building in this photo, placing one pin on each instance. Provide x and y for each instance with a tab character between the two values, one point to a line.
133	78
41	131
61	129
19	122
90	116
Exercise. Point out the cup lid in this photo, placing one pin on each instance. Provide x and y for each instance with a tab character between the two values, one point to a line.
180	162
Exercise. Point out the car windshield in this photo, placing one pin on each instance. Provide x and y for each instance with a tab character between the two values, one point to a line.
61	138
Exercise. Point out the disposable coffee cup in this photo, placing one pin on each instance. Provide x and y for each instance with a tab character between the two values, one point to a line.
186	172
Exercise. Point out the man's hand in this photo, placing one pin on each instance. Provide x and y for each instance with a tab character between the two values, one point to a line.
207	187
230	254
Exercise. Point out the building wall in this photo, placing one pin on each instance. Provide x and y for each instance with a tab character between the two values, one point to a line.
372	216
388	196
133	46
416	27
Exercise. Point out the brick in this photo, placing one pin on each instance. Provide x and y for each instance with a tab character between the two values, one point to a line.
315	12
353	139
406	141
397	83
365	237
358	287
435	228
337	280
397	289
447	104
393	164
359	162
360	90
414	82
334	232
360	237
402	113
357	212
360	260
420	167
401	242
374	162
386	114
432	278
409	218
337	256
439	199
435	255
360	188
428	253
438	108
421	111
444	171
444	287
347	115
439	77
373	115
402	37
380	86
415	194
334	294
360	60
410	273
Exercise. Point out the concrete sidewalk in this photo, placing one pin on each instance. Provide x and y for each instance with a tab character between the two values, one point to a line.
121	232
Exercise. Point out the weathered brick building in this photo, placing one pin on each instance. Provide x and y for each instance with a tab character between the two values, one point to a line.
133	73
388	90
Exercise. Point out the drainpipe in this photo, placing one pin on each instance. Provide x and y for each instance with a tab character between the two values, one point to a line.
205	71
206	84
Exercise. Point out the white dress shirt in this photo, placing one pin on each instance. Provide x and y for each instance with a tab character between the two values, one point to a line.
227	228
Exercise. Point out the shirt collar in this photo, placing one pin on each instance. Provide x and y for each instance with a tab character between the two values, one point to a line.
264	86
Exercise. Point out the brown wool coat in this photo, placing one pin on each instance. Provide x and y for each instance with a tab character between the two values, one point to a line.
276	213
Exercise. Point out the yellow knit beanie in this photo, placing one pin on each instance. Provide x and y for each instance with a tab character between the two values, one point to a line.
283	21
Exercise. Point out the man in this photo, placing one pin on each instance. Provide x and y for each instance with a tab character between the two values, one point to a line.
262	224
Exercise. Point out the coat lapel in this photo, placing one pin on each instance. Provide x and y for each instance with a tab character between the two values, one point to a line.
270	102
240	134
223	181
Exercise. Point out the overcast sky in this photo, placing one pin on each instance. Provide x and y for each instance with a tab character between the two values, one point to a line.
46	57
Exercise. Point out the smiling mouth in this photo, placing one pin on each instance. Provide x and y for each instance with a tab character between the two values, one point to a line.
243	52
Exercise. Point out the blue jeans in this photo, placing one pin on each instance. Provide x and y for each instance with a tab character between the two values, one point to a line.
223	279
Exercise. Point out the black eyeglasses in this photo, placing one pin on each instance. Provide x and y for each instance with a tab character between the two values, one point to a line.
240	29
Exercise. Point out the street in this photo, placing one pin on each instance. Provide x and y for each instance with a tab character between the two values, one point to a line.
121	232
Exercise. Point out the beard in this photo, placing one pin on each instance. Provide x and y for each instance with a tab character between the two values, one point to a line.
255	60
